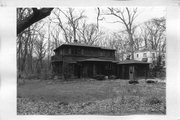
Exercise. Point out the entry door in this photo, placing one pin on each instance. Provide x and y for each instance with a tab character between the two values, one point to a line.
131	72
90	70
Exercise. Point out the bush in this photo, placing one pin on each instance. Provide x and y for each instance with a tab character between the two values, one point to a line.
112	77
150	81
133	82
99	77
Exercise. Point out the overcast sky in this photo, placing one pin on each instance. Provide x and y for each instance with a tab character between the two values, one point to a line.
144	14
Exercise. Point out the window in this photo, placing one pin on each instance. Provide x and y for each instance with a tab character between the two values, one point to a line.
69	51
60	52
153	55
112	54
66	51
108	66
82	51
137	55
102	53
145	55
76	51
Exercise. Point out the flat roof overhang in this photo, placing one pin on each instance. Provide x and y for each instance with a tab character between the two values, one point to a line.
97	60
132	62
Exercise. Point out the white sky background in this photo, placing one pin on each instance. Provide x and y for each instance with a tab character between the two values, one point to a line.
144	14
107	25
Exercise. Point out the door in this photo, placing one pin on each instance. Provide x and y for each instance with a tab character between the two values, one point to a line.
131	72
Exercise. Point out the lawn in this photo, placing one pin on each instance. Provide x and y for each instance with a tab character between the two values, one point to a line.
109	97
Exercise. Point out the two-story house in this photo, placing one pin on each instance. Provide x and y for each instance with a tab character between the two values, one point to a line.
83	60
146	55
150	56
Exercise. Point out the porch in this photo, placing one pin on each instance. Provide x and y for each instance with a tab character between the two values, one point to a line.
94	66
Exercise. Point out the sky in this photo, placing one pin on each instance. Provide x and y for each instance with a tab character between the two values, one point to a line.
144	14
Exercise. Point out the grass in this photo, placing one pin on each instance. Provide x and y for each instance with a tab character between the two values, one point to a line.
110	97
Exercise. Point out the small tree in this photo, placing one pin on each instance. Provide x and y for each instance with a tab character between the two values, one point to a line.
158	67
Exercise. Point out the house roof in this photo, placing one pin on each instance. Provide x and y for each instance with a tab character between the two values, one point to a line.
97	60
82	45
132	62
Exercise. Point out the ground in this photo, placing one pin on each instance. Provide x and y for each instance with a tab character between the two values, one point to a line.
109	97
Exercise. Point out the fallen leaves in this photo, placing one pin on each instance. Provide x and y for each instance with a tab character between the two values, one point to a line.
116	106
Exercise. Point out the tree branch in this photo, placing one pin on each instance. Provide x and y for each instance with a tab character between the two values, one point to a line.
37	15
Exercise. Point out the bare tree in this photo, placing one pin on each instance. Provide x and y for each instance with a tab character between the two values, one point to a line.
119	42
126	17
55	34
89	33
40	51
144	35
73	19
156	33
98	15
98	18
69	28
22	42
25	44
63	26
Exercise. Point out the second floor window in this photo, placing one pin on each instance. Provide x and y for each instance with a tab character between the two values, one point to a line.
60	52
137	55
76	51
144	55
153	55
108	67
102	53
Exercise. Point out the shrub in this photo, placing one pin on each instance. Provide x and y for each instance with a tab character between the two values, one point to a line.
99	77
112	77
150	81
133	82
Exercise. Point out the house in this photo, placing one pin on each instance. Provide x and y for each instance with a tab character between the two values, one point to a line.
150	56
145	55
81	60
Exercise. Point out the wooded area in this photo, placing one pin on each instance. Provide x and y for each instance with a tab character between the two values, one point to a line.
40	31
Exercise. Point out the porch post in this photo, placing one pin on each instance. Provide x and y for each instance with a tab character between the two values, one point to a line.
94	69
147	72
131	73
